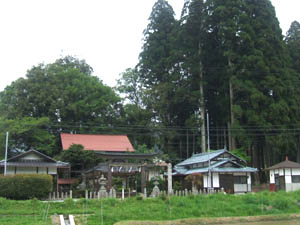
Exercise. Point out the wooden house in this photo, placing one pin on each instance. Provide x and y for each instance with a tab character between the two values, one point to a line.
34	162
219	169
285	176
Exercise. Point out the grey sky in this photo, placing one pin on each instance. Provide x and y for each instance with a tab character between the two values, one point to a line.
107	34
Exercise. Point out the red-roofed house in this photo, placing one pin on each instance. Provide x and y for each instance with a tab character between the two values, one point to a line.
97	142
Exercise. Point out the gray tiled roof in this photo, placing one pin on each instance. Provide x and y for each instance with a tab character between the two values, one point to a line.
285	164
21	162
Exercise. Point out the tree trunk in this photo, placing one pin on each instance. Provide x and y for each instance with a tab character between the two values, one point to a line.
202	104
229	136
218	137
187	144
225	137
231	107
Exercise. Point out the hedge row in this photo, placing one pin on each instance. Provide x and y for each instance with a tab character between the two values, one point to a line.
25	186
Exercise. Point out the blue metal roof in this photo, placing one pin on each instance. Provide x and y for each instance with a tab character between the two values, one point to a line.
201	157
181	169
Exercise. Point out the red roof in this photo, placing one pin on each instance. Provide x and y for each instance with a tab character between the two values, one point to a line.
108	143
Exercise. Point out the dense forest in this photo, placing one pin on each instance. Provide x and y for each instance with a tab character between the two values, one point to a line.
223	70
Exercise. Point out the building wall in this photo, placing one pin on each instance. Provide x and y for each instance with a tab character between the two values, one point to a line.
206	181
237	187
30	170
10	170
216	183
292	187
272	176
296	171
32	156
287	173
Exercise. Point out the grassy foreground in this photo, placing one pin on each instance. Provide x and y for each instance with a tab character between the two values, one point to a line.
110	211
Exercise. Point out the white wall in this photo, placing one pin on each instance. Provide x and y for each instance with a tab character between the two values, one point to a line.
296	171
42	170
216	183
30	170
206	181
281	173
249	179
272	177
240	188
52	170
32	156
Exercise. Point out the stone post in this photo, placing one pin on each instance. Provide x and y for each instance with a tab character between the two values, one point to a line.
145	192
170	189
103	193
71	194
123	193
155	191
86	194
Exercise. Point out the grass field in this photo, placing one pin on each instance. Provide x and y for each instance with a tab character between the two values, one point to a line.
110	211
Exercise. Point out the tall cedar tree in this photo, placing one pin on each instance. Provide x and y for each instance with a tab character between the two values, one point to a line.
250	74
194	32
166	88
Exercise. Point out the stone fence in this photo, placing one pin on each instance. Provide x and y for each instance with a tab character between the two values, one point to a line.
122	195
103	193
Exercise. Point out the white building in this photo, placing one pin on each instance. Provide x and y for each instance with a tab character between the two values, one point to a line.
285	176
220	169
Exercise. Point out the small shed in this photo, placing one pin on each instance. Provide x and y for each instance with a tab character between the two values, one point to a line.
285	176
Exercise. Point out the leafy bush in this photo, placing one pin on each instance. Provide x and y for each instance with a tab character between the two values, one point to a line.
78	193
25	186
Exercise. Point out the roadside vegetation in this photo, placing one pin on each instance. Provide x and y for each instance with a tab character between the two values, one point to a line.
110	211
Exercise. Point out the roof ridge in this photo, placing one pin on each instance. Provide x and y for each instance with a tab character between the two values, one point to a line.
96	134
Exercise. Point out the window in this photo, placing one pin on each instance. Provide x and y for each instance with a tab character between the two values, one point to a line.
240	179
295	179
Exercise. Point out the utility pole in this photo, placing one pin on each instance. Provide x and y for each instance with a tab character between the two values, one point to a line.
209	183
5	159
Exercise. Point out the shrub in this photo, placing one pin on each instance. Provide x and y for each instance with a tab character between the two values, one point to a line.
139	198
25	186
79	193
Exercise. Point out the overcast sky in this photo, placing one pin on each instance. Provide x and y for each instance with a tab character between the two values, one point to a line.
107	34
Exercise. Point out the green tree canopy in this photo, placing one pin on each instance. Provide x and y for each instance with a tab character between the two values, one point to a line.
79	158
65	95
27	133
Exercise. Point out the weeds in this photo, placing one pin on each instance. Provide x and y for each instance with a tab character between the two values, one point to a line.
161	208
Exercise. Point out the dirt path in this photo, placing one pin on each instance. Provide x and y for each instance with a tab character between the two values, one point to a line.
291	219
